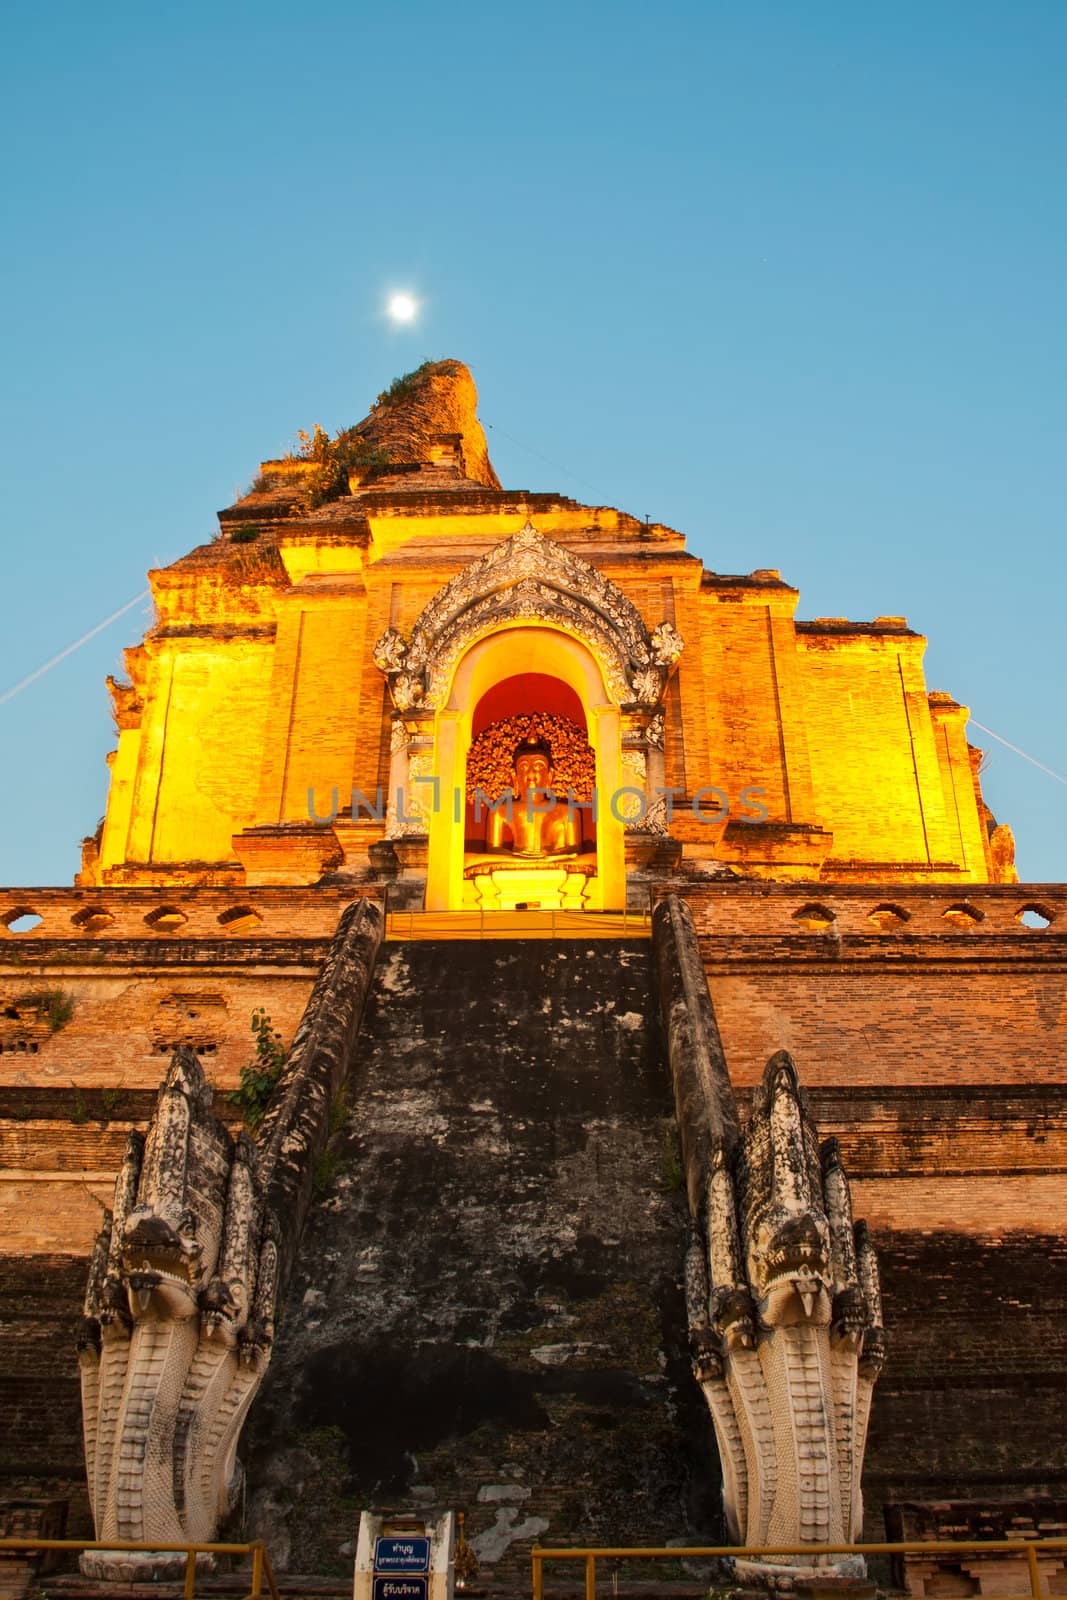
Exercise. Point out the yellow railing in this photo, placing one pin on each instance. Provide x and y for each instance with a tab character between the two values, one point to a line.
590	1555
256	1549
517	924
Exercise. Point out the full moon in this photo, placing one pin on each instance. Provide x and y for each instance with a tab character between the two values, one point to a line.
402	307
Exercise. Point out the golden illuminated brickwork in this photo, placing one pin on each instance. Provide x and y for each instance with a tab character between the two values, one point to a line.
257	705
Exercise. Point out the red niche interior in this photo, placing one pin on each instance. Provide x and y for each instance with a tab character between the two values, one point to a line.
527	692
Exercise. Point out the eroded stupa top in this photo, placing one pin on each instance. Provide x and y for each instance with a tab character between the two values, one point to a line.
422	433
411	419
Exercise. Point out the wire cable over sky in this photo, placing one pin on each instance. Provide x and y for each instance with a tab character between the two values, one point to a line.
1014	747
9	694
24	683
559	467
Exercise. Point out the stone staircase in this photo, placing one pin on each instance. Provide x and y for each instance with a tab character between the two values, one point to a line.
487	1313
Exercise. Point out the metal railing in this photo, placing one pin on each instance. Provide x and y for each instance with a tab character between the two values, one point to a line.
590	1555
261	1566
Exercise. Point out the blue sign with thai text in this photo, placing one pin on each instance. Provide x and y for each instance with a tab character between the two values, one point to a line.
399	1588
408	1553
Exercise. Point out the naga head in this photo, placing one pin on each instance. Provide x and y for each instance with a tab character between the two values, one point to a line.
255	1339
161	1264
88	1338
733	1316
168	1240
255	1342
705	1354
872	1353
114	1310
849	1318
220	1311
788	1246
795	1283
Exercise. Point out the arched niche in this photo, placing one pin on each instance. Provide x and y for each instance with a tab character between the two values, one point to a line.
528	578
509	652
522	703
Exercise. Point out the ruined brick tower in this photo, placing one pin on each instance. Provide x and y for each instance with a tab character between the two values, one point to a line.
469	1193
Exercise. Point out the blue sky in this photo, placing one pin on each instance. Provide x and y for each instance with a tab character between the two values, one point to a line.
787	277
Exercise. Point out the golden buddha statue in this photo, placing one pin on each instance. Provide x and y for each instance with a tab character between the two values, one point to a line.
530	827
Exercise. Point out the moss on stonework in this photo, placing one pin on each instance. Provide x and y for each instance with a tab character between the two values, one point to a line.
671	1170
254	563
407	385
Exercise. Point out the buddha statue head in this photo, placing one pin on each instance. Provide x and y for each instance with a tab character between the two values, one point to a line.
537	823
532	759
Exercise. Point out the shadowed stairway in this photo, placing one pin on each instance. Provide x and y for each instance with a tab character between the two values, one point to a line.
487	1312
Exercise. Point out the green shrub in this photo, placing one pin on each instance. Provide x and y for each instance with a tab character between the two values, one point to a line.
261	1074
56	1005
400	389
244	534
334	459
404	387
109	1099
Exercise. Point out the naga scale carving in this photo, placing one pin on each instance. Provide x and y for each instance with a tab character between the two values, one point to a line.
529	576
179	1323
785	1326
783	1298
186	1272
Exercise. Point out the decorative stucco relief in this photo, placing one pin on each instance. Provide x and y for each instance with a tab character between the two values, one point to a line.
529	577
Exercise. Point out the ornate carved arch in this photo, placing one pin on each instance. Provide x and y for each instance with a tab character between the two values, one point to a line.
522	578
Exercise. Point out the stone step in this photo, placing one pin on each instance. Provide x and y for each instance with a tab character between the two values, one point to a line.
487	1313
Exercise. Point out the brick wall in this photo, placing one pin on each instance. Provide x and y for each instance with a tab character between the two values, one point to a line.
256	691
933	1051
972	1404
40	1440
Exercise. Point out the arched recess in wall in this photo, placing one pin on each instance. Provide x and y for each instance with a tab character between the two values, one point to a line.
527	606
524	706
510	651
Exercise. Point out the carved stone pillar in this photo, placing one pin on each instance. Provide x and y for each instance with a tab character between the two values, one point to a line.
646	826
398	776
654	736
411	794
642	760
